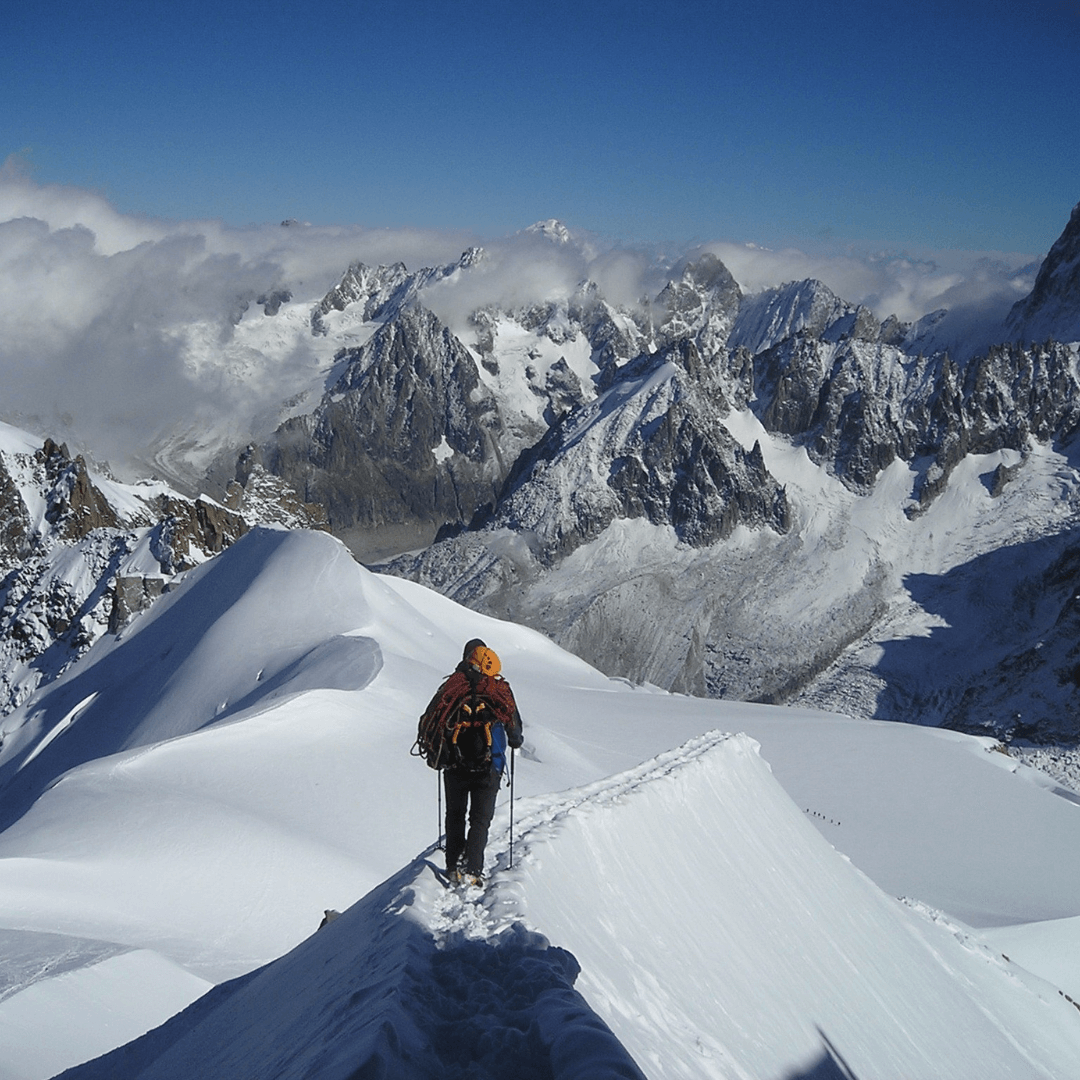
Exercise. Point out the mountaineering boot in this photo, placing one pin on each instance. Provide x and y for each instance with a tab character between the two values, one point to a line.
474	879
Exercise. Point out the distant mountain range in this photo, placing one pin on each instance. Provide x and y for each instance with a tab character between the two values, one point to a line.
560	461
774	496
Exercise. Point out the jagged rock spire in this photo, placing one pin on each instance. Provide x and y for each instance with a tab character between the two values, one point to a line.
1052	309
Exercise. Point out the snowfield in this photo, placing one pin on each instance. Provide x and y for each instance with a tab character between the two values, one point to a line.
698	889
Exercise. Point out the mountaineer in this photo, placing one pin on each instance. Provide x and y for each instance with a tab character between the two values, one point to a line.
465	732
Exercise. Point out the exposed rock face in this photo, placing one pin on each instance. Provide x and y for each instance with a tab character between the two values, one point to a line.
564	391
260	498
1052	310
1001	401
190	531
859	405
652	446
75	506
408	434
695	477
132	595
701	306
15	534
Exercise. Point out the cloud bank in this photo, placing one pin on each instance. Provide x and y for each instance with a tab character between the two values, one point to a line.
116	330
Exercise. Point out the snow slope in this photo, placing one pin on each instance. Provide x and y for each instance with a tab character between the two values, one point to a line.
184	802
749	948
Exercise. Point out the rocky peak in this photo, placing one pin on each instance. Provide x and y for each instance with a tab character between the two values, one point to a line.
261	498
76	565
552	229
893	331
374	287
1052	308
75	506
652	446
809	308
616	337
703	304
406	441
472	257
379	293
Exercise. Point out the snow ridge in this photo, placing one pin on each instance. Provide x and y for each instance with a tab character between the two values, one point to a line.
744	968
704	920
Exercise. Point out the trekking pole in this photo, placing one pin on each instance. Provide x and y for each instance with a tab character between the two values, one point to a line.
438	829
511	808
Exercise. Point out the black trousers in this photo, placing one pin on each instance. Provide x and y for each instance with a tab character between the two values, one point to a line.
473	794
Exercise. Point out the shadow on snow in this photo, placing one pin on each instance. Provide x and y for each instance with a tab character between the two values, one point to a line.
375	994
1003	659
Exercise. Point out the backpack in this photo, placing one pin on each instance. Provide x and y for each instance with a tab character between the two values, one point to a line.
471	737
464	725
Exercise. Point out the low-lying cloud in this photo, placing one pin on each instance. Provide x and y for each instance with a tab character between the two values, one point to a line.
116	329
887	283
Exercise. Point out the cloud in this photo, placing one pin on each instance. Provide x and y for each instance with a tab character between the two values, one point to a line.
525	269
303	252
70	207
117	331
907	286
97	337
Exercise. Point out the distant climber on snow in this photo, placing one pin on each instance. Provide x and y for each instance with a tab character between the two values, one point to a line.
465	732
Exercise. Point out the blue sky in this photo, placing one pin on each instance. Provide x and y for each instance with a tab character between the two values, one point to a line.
922	126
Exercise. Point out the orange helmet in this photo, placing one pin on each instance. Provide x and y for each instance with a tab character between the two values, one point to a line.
485	659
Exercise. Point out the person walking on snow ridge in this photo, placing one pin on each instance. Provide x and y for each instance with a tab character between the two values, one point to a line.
465	732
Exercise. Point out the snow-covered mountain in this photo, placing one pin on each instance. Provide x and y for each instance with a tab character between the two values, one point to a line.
80	553
747	498
189	796
566	461
550	453
810	308
406	439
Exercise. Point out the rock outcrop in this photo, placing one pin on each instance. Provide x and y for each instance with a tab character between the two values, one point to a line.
407	436
1052	309
77	564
